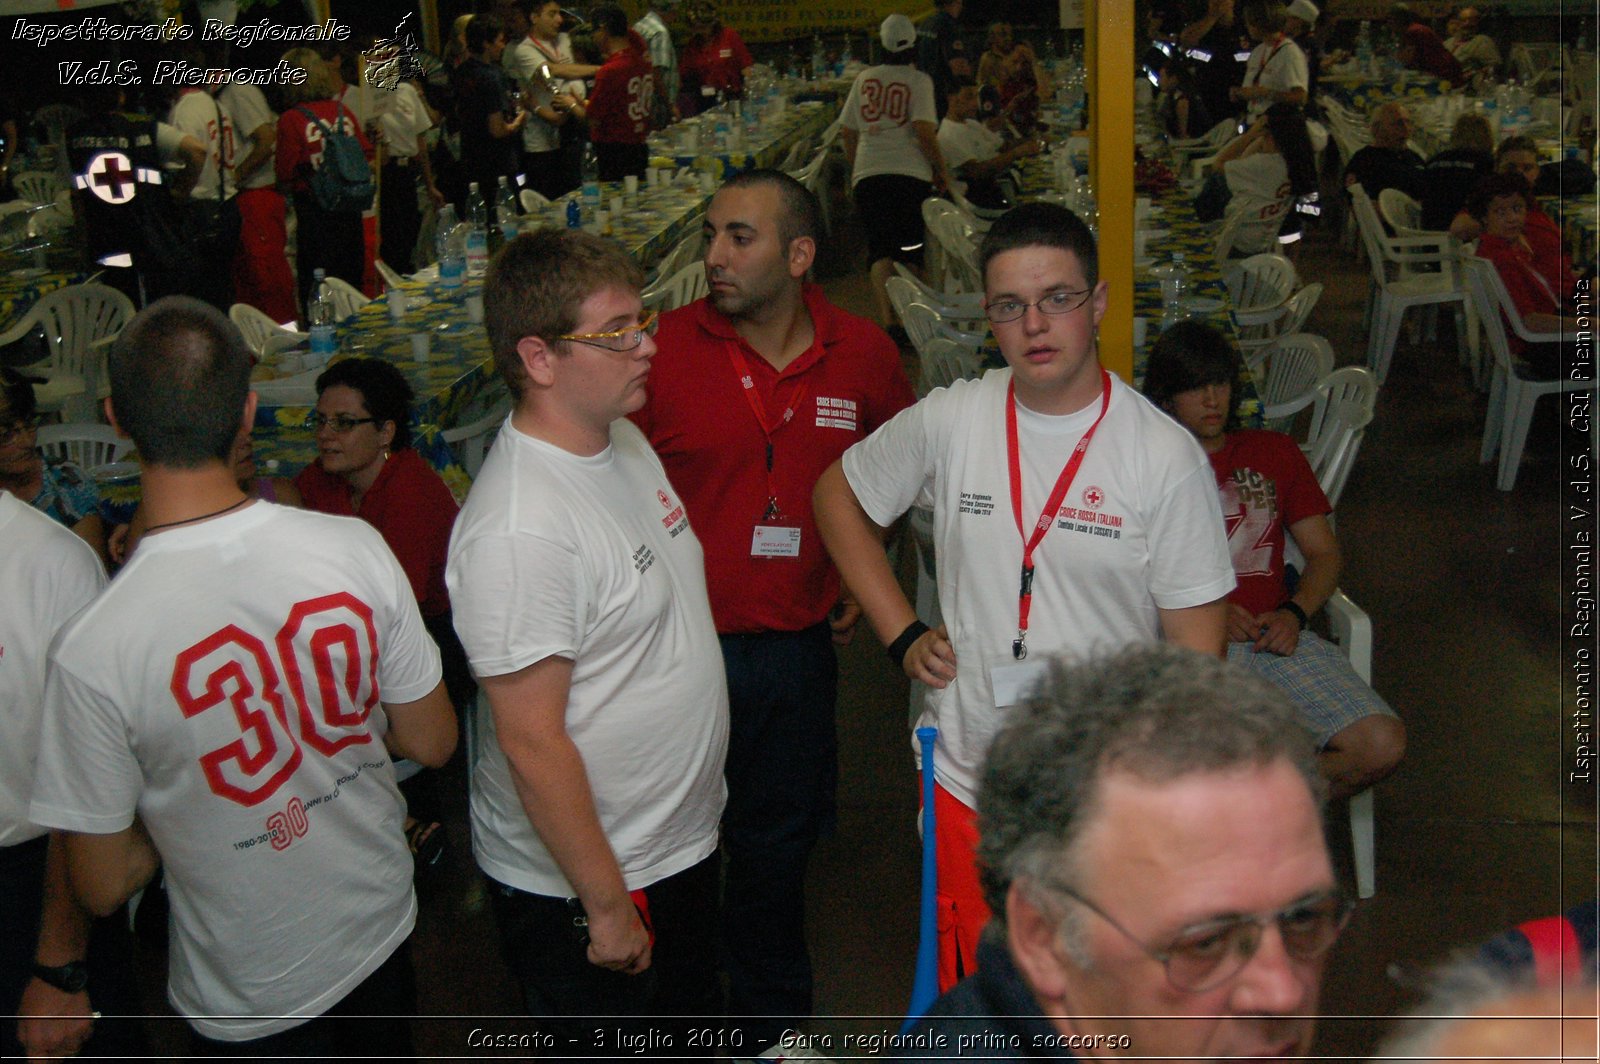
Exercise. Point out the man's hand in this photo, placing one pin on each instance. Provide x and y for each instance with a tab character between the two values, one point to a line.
931	658
1242	625
618	940
52	1024
1276	632
842	620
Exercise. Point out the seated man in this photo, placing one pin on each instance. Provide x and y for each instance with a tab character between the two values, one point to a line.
974	153
1387	162
1476	52
1420	47
1144	820
1268	488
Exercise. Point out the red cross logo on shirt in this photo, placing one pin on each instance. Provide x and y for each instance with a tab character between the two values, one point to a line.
111	177
663	497
1093	497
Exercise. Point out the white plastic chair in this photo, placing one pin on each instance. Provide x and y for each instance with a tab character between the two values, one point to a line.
1351	628
261	334
1259	330
1295	364
950	304
37	186
532	201
78	322
962	313
88	444
1207	144
347	298
1392	297
1399	210
687	250
945	361
814	176
1512	395
392	278
471	442
1259	282
1228	236
923	323
681	289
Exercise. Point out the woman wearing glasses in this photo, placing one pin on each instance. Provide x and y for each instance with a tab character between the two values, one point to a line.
54	486
367	468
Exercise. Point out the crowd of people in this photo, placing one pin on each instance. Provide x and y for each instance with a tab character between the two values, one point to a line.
681	519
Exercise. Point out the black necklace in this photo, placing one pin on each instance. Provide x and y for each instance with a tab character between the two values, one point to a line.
202	517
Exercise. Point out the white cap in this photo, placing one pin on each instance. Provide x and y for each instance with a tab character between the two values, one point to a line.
897	33
1304	10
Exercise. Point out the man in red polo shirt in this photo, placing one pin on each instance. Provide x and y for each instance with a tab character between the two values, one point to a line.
755	390
1421	49
619	106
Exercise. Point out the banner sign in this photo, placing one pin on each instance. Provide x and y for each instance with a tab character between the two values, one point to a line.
776	20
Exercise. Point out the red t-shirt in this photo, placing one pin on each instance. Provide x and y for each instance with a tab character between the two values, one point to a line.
410	505
700	423
1432	56
619	106
300	140
1267	486
719	62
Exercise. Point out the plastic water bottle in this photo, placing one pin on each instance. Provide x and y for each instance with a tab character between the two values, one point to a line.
1180	277
506	211
477	232
591	183
322	316
451	243
574	214
819	60
843	60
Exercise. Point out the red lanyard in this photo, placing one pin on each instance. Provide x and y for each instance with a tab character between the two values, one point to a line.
1263	67
1019	647
741	370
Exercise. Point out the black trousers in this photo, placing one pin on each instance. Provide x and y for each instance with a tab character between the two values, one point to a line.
333	242
399	214
584	1006
782	772
373	1020
619	160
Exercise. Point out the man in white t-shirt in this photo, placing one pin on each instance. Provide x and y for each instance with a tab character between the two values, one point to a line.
244	742
405	164
579	593
1070	517
51	968
1276	71
974	153
540	60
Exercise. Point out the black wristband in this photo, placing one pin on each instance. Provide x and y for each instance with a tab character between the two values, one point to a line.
1294	607
897	649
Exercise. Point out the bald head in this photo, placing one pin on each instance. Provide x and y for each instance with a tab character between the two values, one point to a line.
1391	125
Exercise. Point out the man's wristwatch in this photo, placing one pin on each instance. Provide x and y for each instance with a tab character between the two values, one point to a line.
69	978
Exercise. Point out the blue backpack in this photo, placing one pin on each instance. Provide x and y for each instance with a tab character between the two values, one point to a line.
343	183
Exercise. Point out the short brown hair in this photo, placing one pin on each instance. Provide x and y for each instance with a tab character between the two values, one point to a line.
537	284
319	83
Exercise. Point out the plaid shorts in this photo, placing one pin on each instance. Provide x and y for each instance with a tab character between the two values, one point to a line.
1320	681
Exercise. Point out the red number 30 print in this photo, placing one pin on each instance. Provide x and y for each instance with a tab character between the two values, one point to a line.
332	640
893	102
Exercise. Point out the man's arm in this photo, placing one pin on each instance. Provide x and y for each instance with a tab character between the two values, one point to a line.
927	134
979	169
530	708
1278	630
423	731
263	141
1201	628
53	1023
105	870
850	138
855	542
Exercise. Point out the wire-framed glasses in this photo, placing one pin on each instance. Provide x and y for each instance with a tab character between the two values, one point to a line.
619	340
1064	301
1207	955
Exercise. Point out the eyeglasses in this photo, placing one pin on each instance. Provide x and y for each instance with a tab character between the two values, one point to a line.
620	341
17	429
340	423
1207	955
1064	302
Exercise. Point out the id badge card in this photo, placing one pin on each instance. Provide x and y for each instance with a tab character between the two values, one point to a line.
1014	682
774	538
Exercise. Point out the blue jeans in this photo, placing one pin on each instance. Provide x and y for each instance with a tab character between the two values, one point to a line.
782	770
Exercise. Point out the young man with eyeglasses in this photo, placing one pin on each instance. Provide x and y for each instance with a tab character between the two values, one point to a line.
580	595
1070	516
760	386
1152	847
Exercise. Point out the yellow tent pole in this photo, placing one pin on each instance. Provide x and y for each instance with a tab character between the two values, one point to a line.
430	26
1110	58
